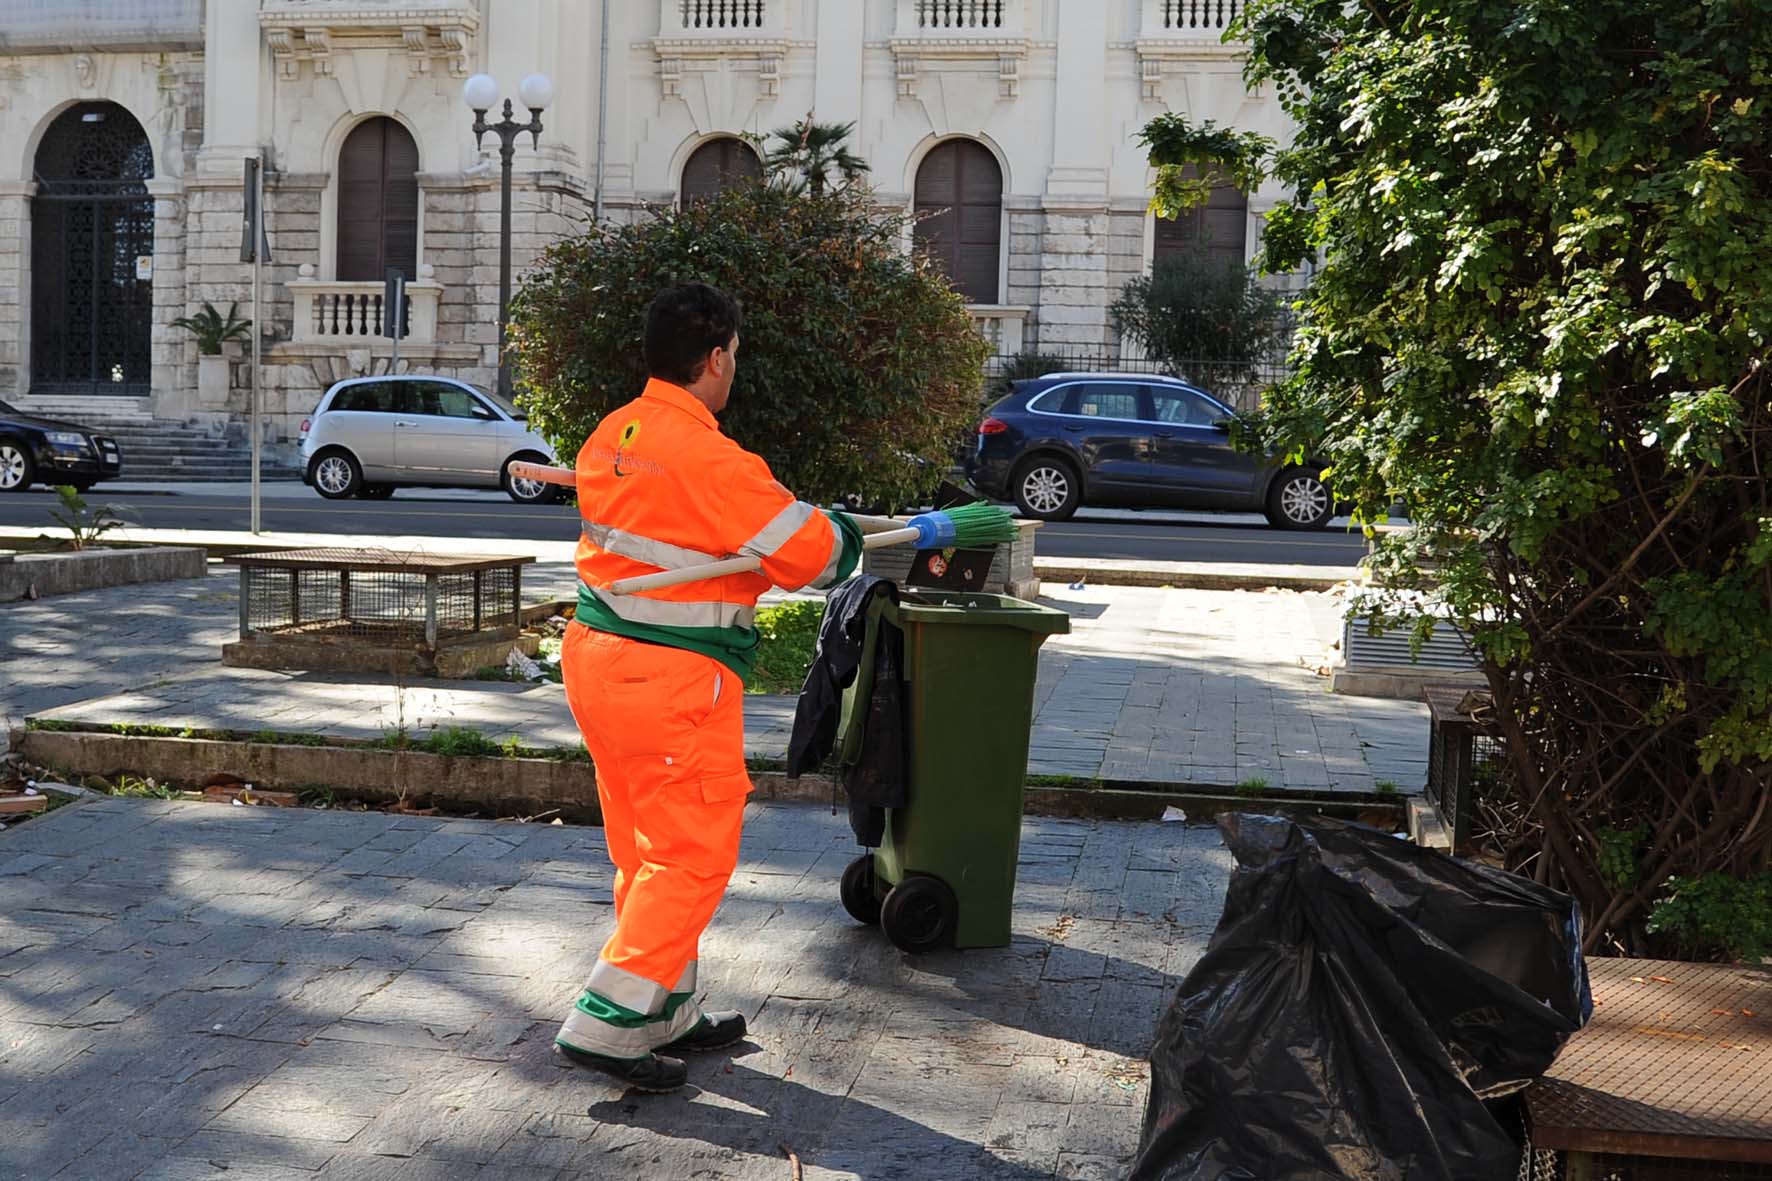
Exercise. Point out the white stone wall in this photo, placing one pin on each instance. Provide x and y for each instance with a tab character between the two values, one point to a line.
1057	96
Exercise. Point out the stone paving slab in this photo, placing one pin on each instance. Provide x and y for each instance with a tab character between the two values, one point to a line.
192	990
1193	687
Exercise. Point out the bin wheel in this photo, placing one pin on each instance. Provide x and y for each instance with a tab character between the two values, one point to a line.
919	913
857	890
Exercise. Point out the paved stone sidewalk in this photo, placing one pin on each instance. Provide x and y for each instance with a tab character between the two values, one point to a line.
1192	687
197	991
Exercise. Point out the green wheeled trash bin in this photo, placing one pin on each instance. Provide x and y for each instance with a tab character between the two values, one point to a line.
945	870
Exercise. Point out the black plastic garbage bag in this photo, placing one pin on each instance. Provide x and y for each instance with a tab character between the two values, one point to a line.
1360	1001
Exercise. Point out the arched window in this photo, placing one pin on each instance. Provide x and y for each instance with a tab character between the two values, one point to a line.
92	254
1220	228
717	164
959	206
377	201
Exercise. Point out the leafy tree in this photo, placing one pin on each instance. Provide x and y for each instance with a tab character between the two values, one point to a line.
1541	320
859	366
1195	307
802	157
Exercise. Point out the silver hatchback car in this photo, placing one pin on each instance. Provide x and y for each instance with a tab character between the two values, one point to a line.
371	435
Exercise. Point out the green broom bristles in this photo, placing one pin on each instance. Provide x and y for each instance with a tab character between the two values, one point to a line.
979	525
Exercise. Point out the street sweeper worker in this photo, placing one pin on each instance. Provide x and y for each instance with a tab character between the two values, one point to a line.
655	679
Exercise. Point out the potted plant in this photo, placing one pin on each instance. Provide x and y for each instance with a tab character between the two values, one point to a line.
213	330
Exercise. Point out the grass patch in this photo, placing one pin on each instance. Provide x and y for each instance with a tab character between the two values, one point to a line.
787	636
129	785
1067	781
52	725
1387	787
452	741
278	738
1255	788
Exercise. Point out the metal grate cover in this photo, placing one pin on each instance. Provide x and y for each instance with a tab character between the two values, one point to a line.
1446	649
1676	1063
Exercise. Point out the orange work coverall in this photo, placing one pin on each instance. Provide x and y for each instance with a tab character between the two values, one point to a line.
655	683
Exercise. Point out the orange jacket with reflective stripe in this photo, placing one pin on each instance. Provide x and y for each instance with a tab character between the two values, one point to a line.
660	488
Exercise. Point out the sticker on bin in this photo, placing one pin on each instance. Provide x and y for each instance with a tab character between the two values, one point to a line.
950	569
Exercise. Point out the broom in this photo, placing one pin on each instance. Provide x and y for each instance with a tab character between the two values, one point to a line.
565	477
966	526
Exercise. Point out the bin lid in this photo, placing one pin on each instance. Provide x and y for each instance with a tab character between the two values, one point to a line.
976	609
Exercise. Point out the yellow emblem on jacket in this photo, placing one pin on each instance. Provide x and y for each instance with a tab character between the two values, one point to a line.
629	433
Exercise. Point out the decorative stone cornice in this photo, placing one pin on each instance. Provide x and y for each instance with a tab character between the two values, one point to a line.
676	55
909	53
1156	55
310	32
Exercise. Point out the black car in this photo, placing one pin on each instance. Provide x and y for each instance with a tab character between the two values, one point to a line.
1069	439
44	451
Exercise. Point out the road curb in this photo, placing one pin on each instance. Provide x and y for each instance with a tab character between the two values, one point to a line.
532	786
1193	575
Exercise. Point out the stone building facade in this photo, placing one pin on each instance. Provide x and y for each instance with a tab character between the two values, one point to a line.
1012	123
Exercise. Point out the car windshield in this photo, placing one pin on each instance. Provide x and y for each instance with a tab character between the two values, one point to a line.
508	407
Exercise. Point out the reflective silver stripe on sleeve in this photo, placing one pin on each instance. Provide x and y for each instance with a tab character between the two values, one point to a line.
779	531
584	1032
625	988
667	613
828	576
643	549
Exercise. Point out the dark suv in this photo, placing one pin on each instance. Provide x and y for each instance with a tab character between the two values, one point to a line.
1069	439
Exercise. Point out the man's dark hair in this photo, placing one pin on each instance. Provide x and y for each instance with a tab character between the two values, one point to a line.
685	323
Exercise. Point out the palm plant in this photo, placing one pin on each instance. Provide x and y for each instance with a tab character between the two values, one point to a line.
801	157
212	329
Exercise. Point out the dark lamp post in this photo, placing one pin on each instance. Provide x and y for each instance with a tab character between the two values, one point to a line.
480	92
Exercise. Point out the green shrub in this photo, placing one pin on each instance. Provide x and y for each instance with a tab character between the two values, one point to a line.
859	365
1541	244
1020	367
1716	913
1195	307
787	636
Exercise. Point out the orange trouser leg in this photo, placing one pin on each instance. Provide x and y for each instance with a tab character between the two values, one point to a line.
666	730
612	794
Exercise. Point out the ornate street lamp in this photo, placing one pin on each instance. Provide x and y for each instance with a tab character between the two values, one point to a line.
480	92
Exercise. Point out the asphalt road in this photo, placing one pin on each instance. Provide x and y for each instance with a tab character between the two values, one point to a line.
1162	536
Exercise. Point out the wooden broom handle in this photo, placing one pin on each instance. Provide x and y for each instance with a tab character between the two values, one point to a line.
522	469
664	578
881	531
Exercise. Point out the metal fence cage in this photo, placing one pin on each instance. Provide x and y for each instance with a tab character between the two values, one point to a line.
1537	1164
375	603
1464	763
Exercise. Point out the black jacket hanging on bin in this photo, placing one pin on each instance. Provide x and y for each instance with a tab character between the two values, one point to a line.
855	641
